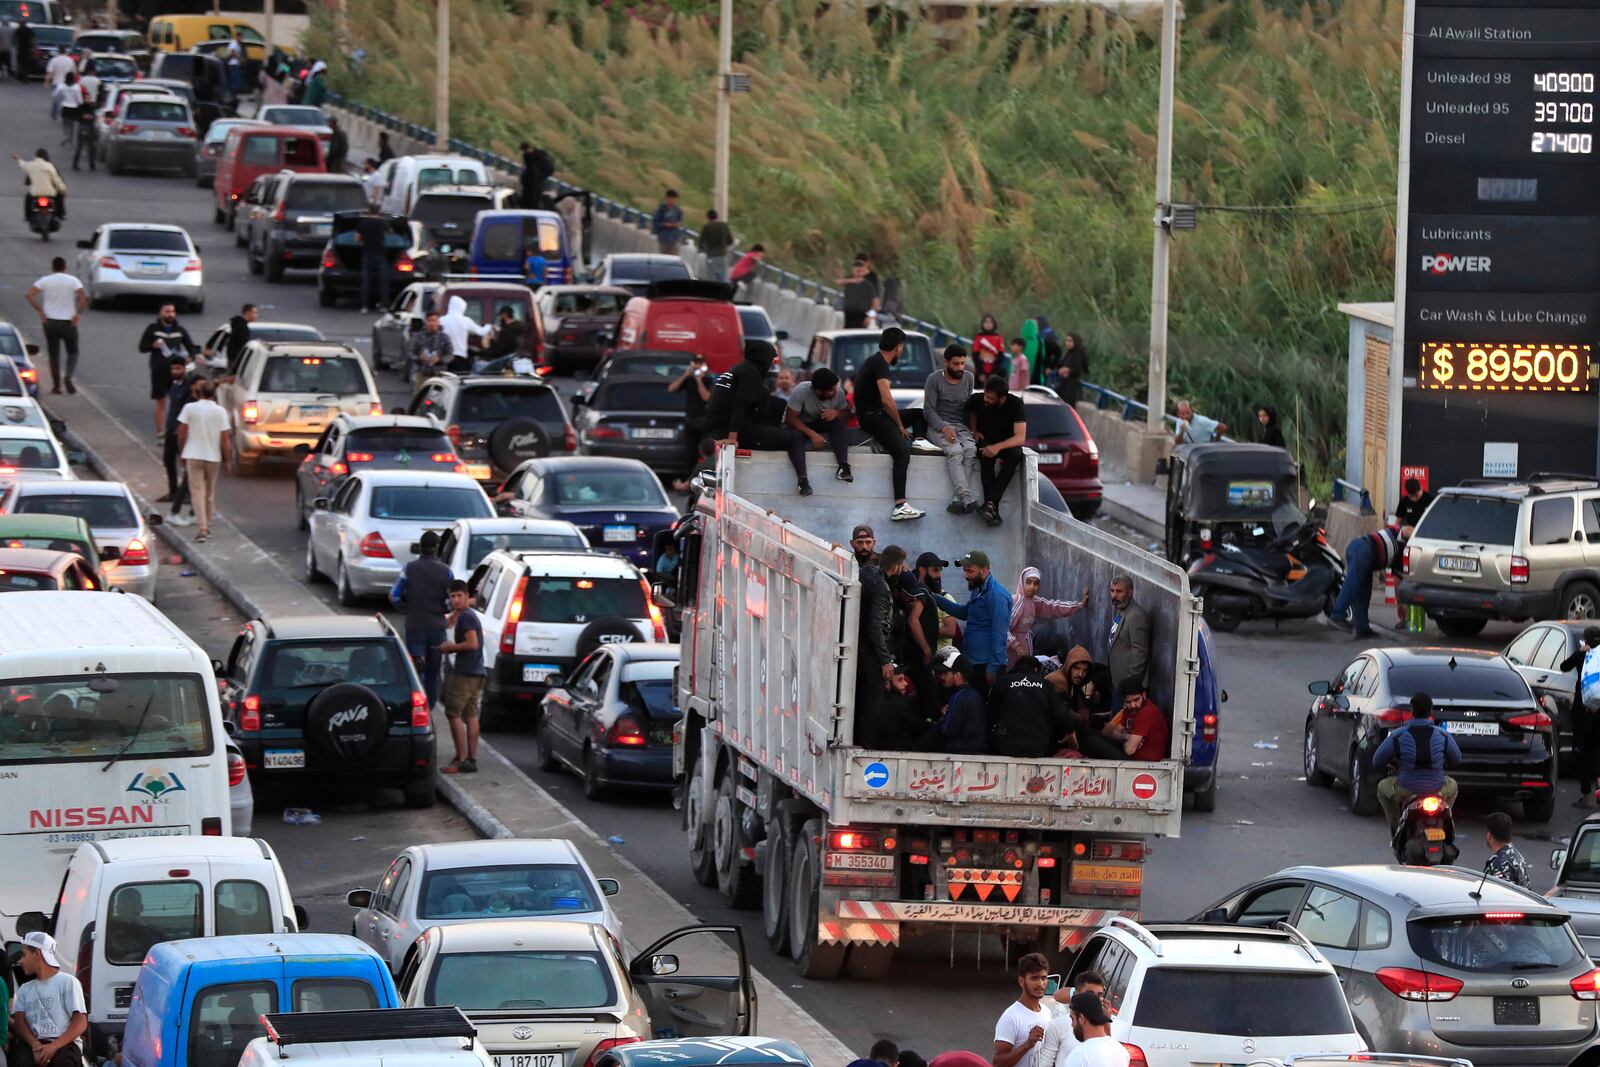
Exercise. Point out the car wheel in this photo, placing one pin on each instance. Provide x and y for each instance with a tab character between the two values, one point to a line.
378	360
1455	626
1363	785
113	164
271	266
1205	800
1580	600
736	879
1314	775
592	786
250	260
347	595
812	959
197	307
421	792
1223	622
1541	807
700	857
543	749
775	880
312	574
301	519
326	297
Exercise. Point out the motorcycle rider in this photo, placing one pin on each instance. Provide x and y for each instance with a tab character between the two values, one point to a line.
43	180
1423	749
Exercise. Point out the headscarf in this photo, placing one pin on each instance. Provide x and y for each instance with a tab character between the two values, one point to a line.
1271	433
1026	611
1031	347
1020	601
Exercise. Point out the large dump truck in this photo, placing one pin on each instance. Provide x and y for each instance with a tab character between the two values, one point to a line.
847	851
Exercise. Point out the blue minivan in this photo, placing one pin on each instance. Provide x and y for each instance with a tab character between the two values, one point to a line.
503	240
199	1002
1200	776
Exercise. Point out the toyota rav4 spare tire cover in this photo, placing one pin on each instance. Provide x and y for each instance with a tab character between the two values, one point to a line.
347	723
516	440
611	630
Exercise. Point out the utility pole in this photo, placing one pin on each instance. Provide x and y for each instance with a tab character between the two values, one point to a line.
111	14
1157	394
724	109
441	79
269	9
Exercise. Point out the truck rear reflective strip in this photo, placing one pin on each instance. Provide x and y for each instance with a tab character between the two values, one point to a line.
833	933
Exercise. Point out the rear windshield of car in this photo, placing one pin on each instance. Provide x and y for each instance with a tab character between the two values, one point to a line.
390	440
1237	1003
1496	945
419	503
664	366
653	694
315	664
639	396
146	241
312	374
296	116
756	325
10	343
325	196
1052	420
515	890
217	131
910	371
589	303
10	384
100	512
107	67
628	271
284	333
49	544
27	454
432	177
495	403
12	581
609	489
157	111
507	981
439	211
1470	518
52	34
517	238
1465	681
573	600
482	544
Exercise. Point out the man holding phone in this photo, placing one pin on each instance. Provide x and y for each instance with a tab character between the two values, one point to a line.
695	384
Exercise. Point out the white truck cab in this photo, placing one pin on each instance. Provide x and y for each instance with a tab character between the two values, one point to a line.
122	896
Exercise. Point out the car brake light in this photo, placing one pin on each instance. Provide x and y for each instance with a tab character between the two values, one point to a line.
193	264
1205	538
1587	986
135	555
1533	720
1394	716
235	768
454	433
359	457
28	374
544	370
339	468
570	439
1045	861
446	457
1135	1056
185	131
1410	984
374	547
376	408
1519	569
508	638
1117	850
626	731
852	840
1503	916
329	260
127	127
251	412
1405	560
211	827
605	433
1431	805
1208	728
250	714
404	264
608	1043
421	714
106	262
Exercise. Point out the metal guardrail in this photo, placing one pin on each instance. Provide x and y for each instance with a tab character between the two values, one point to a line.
1345	492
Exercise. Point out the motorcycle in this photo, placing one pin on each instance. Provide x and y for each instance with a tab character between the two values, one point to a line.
1426	836
43	218
1297	576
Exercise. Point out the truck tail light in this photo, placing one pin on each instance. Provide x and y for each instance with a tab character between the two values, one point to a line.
235	768
508	638
1519	570
852	840
1410	984
135	555
250	714
626	731
1117	850
1208	728
421	714
373	546
251	412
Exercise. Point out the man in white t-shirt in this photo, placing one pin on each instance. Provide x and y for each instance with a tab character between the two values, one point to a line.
59	299
1022	1025
203	445
49	1015
1195	428
55	76
1091	1025
1059	1040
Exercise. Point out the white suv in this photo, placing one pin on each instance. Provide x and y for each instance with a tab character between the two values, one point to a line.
284	394
1202	993
544	611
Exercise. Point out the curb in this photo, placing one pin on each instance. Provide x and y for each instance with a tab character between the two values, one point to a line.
480	818
1136	520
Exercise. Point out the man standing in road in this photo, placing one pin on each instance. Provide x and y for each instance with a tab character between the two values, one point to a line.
431	349
464	688
877	415
1059	1037
860	295
162	339
55	75
50	1015
987	614
239	333
179	393
944	409
818	416
667	224
1505	861
338	147
372	233
204	445
695	385
1021	1027
1128	646
1091	1025
715	240
59	299
423	592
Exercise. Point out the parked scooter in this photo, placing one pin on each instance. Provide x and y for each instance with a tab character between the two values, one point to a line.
1296	577
1426	835
43	217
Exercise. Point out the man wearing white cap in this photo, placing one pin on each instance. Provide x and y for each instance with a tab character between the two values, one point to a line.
49	1015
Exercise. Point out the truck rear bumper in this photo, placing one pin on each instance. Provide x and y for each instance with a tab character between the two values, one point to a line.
883	921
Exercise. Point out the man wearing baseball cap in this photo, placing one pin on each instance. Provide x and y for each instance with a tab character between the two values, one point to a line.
965	724
987	614
1091	1025
49	1015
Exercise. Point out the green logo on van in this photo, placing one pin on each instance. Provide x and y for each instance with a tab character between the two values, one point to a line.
156	784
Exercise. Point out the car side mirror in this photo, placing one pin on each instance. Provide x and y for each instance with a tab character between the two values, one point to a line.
1215	915
1224	696
301	918
32	922
1161	466
610	886
110	553
578	400
1318	689
230	727
782	335
663	963
1558	858
85	243
217	666
197	250
359	898
658	593
31	349
1343	702
154	519
75	456
320	504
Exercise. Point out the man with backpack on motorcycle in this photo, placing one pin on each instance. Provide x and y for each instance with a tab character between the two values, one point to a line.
1423	749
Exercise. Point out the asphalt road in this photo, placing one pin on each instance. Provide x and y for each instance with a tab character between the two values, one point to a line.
943	995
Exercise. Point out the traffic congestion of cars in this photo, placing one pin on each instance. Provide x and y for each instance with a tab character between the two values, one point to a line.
551	489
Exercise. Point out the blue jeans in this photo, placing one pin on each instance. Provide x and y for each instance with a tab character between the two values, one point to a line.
374	279
717	268
1357	587
424	645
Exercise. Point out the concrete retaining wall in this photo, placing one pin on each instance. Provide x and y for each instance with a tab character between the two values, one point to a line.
1128	446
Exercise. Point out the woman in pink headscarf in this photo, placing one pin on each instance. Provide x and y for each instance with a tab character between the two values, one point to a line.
1028	608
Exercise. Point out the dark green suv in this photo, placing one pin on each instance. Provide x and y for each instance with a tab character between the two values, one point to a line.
329	696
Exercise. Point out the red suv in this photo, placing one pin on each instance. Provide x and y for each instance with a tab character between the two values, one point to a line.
1067	454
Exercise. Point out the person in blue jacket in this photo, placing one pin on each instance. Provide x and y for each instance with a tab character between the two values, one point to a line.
1423	750
965	724
987	614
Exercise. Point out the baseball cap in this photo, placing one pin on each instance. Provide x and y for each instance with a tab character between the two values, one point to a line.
959	663
975	558
1091	1007
931	559
45	944
862	530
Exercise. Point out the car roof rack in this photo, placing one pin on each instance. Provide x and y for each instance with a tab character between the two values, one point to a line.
383	1024
1122	922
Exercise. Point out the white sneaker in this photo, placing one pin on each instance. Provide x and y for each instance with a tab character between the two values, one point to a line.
183	518
906	511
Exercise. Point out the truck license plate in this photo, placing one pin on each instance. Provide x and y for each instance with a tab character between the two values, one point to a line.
1476	729
283	759
855	861
529	1059
1459	564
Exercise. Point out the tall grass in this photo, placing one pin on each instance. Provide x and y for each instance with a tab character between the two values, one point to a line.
1008	167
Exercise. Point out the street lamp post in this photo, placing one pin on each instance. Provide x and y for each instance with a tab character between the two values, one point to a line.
1157	395
441	79
724	108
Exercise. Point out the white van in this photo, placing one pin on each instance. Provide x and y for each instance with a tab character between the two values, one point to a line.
121	897
402	178
109	728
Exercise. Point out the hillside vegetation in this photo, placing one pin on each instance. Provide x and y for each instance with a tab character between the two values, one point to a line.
1008	168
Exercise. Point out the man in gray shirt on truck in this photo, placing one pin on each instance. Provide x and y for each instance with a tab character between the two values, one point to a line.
944	410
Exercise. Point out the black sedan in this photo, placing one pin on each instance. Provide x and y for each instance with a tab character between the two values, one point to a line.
664	366
612	721
636	417
619	504
1537	653
1507	740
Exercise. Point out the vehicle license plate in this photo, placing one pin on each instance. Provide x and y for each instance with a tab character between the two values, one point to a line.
1433	833
621	533
312	411
1516	1011
152	268
653	433
1477	729
1459	564
1046	458
156	135
283	758
321	229
537	672
855	861
479	472
529	1059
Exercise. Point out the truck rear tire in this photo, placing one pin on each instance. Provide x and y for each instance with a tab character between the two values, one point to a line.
869	963
737	880
813	960
700	859
775	881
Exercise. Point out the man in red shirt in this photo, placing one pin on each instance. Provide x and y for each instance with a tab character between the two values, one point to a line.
1143	731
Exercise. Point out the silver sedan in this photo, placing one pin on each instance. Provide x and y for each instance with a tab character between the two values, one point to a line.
129	555
142	260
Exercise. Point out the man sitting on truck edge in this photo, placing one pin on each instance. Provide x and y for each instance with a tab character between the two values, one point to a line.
49	1015
944	410
965	723
818	416
878	416
748	426
997	422
1021	1027
987	614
